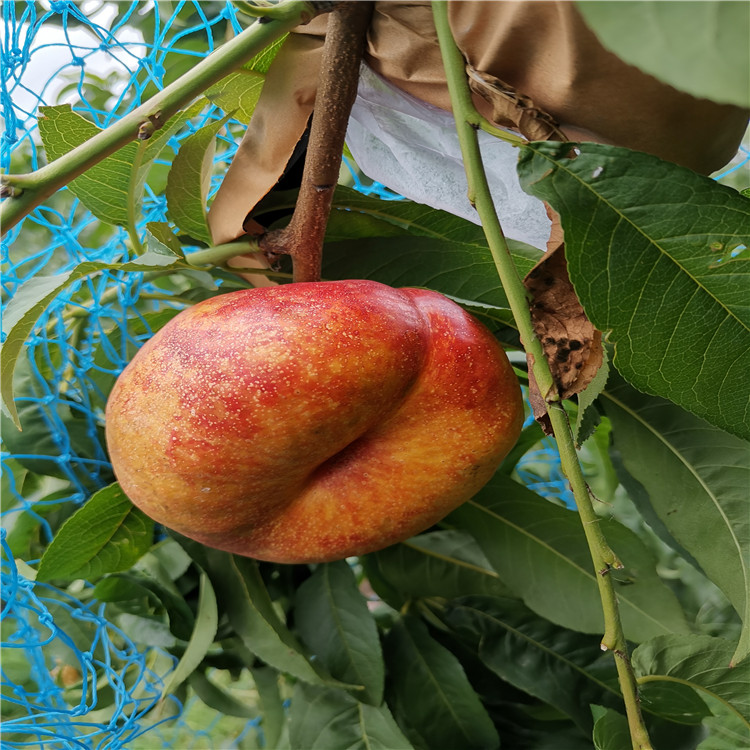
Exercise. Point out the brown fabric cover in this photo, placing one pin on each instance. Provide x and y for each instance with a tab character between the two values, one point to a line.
542	49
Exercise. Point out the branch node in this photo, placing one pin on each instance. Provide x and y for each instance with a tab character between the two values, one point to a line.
9	191
149	126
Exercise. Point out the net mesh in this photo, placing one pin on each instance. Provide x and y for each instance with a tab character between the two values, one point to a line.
71	677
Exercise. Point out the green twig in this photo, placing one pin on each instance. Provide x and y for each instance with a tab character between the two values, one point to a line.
603	558
217	254
27	191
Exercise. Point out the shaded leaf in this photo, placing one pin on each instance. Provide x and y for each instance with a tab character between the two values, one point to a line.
674	702
700	661
696	47
697	480
521	647
641	236
106	535
611	730
530	436
556	579
329	719
243	596
271	704
145	580
146	631
334	622
446	267
441	563
219	699
204	632
430	693
726	730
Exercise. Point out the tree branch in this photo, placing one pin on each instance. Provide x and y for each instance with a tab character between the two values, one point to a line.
27	191
302	239
479	194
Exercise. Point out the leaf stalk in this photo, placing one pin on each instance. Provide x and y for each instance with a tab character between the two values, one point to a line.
467	124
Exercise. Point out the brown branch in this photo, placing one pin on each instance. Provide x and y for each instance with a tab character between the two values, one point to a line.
302	239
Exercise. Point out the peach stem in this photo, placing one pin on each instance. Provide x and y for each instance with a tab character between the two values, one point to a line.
302	238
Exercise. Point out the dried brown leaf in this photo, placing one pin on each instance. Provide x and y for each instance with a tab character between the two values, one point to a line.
572	345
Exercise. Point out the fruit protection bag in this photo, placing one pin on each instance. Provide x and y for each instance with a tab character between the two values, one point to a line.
534	67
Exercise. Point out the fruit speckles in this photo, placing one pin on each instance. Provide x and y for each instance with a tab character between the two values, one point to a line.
312	422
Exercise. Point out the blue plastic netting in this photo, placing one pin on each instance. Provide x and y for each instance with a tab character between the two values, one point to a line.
71	676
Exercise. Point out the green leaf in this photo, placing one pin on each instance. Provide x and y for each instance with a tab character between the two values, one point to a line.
261	62
587	417
204	632
238	93
641	238
700	661
32	298
540	551
445	564
190	179
334	622
162	241
104	187
431	694
696	47
561	667
329	719
697	480
611	730
111	189
243	596
106	535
